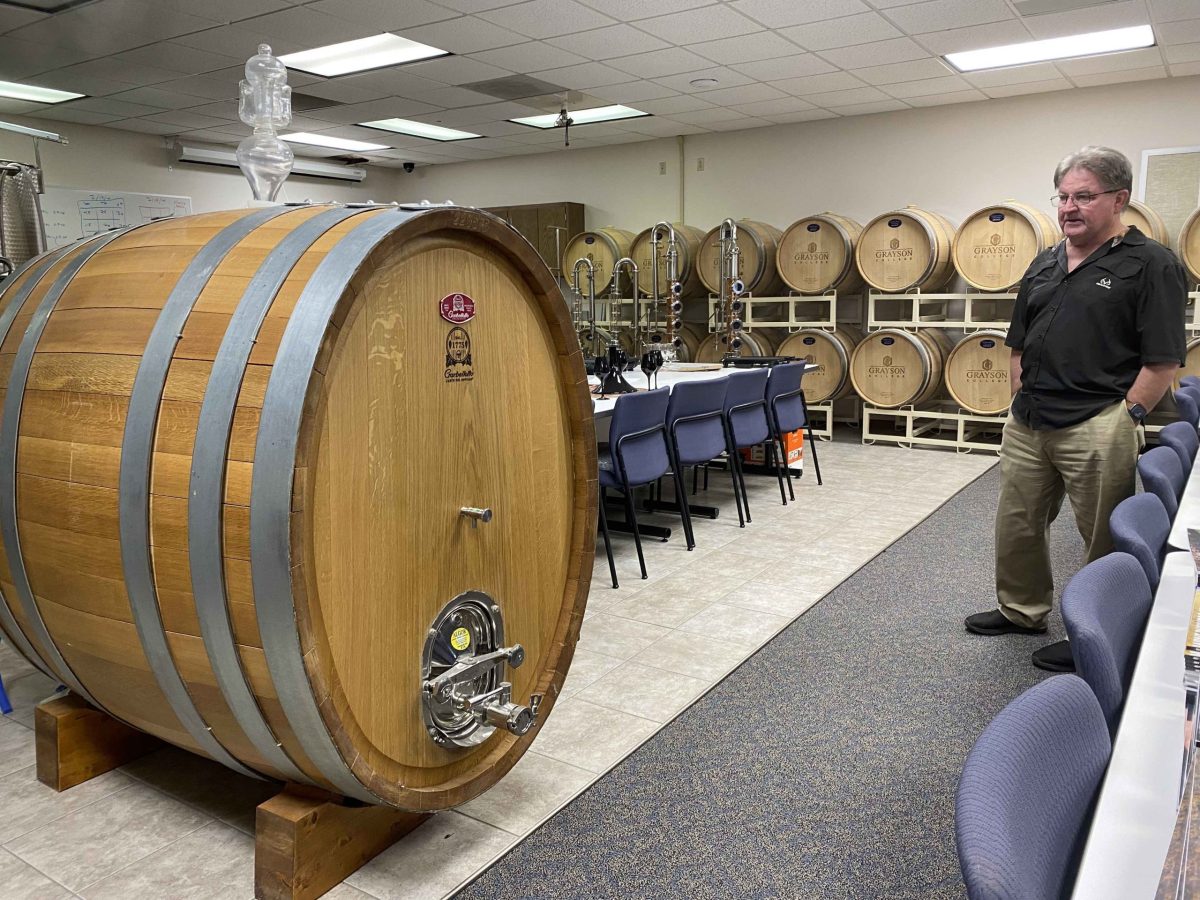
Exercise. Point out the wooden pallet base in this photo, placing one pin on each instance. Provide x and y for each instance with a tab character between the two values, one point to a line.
75	742
908	427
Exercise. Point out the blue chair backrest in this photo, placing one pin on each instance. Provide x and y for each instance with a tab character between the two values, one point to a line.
1162	474
637	437
1105	608
783	396
1183	439
746	407
1190	381
1188	405
1027	791
1140	527
703	438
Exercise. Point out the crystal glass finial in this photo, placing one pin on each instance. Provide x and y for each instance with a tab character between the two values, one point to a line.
265	103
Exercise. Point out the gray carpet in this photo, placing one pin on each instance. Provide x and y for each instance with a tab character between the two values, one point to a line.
826	765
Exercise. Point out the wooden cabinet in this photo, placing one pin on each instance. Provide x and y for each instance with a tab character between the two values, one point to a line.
537	223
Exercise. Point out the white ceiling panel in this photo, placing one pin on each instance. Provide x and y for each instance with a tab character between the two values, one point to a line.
144	126
20	58
384	15
782	13
177	58
811	115
12	17
455	70
708	116
455	98
830	99
187	119
739	124
875	54
785	67
1028	87
1118	77
584	76
349	90
609	42
656	65
633	92
397	81
547	18
775	107
78	116
668	106
529	57
815	84
1015	75
114	68
1172	10
1182	70
304	26
725	78
1092	18
905	71
226	11
372	110
11	107
1184	32
866	109
745	48
239	41
466	34
1182	53
107	105
746	93
92	85
112	26
707	23
632	10
1112	62
927	87
156	96
978	37
940	15
657	127
946	99
859	29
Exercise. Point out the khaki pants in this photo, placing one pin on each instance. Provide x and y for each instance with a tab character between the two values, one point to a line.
1094	463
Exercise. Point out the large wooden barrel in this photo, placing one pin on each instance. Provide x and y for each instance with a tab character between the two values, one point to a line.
1189	247
830	352
977	373
758	245
904	250
1147	221
691	337
242	456
816	254
715	346
892	367
996	244
687	239
603	246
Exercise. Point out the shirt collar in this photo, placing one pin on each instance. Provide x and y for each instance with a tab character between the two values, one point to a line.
1132	237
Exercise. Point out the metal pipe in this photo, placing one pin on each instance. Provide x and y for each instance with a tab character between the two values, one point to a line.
673	287
626	262
586	263
730	286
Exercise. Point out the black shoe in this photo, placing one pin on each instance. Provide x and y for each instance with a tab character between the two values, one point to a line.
1055	657
995	622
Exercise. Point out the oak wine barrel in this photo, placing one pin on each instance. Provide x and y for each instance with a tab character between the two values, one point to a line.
830	352
1147	221
904	250
892	367
977	373
715	346
758	245
691	338
687	240
816	254
1189	247
243	456
996	244
603	246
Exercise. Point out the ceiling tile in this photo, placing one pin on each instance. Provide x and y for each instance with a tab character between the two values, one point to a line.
12	107
306	27
775	107
476	6
107	105
92	85
530	56
1015	75
781	13
455	98
746	93
875	54
664	62
1093	18
1185	32
632	10
466	34
785	67
708	116
114	68
1028	87
830	99
398	81
1172	10
633	92
605	43
815	84
683	83
810	115
940	15
156	96
111	26
143	126
505	129
474	115
188	119
866	109
1112	62
745	49
455	70
859	29
239	41
79	116
1182	53
668	106
1181	70
547	18
905	71
665	127
372	110
384	15
12	17
739	124
927	87
351	90
583	76
177	58
227	11
996	34
708	23
213	86
946	99
20	58
1147	74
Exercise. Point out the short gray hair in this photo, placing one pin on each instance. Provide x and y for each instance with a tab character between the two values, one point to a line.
1111	166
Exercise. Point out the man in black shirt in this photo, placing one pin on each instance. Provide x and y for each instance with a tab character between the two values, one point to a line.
1096	336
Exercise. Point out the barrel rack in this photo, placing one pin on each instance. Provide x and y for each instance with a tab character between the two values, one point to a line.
963	431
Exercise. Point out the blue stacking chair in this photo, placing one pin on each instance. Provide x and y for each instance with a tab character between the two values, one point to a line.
636	454
1027	792
696	428
1183	439
5	705
1187	402
1190	381
788	412
1162	474
1105	608
1140	527
746	421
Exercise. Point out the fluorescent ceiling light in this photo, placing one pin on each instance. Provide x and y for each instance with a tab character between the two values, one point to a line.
1093	44
357	56
336	143
584	116
212	156
420	129
36	94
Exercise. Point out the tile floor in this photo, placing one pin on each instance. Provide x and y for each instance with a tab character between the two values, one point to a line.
173	825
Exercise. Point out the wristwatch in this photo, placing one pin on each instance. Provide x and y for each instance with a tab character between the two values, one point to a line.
1137	412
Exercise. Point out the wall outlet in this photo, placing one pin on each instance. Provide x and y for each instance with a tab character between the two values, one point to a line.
699	163
662	168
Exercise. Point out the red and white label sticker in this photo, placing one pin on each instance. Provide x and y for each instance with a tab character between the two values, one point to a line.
457	308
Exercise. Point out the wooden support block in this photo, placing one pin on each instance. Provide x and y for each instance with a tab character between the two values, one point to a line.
307	841
75	742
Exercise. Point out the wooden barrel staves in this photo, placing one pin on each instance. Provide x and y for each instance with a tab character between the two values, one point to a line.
905	250
1189	247
830	352
758	244
687	238
244	463
892	367
1147	221
715	347
816	254
977	373
996	244
603	246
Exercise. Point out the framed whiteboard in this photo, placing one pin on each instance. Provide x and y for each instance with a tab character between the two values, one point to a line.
73	214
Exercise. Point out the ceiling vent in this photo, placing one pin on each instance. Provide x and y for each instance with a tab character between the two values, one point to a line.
1043	7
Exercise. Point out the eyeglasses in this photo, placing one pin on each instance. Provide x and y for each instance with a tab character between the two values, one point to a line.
1083	198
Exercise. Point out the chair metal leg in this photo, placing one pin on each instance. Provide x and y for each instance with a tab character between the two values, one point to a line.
612	565
738	489
681	498
637	535
787	470
773	463
695	480
741	476
811	441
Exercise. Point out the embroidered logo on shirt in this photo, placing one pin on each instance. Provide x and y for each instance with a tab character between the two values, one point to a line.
1105	283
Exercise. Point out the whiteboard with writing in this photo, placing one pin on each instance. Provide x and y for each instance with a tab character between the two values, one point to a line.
72	214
